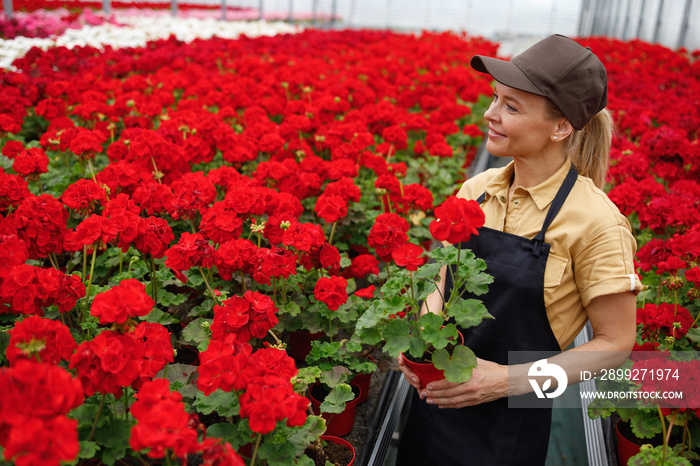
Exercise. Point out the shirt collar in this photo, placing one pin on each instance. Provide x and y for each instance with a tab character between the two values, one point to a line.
542	194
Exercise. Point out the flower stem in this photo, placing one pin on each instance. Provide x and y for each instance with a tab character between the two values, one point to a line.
206	282
255	451
51	259
97	417
154	281
663	434
89	283
242	280
330	239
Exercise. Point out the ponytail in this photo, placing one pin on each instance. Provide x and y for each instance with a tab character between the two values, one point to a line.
589	147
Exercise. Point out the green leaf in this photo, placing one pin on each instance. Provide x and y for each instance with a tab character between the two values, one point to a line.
397	336
88	449
195	332
468	312
430	271
157	316
367	325
417	347
435	332
166	298
114	440
225	404
276	454
645	424
224	430
458	367
335	401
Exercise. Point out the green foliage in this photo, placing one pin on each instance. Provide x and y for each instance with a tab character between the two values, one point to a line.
225	404
656	456
458	366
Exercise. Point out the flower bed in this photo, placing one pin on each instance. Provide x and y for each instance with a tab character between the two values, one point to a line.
175	211
226	190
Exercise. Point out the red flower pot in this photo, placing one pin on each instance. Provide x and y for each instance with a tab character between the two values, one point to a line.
343	442
337	424
299	345
427	372
626	449
363	381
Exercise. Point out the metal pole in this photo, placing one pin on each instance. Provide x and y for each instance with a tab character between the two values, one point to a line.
618	16
641	19
627	20
173	7
290	18
657	28
223	10
583	14
313	12
106	6
260	10
333	9
552	15
608	17
7	6
684	24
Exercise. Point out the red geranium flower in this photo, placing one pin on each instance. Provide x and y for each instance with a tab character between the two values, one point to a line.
331	291
456	220
31	163
35	337
119	303
331	208
408	255
388	232
83	196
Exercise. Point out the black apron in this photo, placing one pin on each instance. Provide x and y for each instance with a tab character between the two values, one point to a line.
491	433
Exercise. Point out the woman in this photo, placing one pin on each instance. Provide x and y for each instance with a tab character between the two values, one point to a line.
560	253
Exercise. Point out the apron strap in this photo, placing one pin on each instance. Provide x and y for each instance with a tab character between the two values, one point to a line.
558	201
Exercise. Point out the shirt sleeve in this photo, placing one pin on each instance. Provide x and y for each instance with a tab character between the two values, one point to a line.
606	266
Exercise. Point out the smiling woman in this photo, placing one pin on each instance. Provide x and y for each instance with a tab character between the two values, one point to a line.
555	265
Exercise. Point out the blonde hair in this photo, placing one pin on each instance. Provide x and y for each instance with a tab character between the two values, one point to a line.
589	147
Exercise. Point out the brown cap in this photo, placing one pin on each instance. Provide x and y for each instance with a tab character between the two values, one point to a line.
559	68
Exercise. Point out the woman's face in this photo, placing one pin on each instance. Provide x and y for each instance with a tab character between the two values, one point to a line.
519	125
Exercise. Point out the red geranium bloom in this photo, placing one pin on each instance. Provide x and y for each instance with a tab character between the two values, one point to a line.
41	222
388	232
222	365
661	320
31	163
366	292
85	143
221	223
303	236
95	231
331	208
162	422
48	340
119	303
331	291
192	250
408	255
456	220
362	265
154	236
693	275
154	198
83	196
234	256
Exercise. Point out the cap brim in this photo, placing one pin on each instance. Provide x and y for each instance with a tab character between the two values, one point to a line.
505	72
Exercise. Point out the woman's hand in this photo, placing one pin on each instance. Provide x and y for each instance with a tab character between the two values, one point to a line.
408	374
488	382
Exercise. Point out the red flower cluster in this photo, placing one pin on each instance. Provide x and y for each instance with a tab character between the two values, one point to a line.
332	291
264	377
661	320
29	289
126	300
163	424
113	360
457	219
34	401
36	338
252	315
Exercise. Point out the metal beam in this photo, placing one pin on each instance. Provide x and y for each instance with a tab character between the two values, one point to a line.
659	15
641	19
684	25
627	20
7	6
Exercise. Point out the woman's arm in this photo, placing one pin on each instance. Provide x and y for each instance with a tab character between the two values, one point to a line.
614	331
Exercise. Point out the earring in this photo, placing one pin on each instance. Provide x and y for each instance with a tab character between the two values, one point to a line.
554	137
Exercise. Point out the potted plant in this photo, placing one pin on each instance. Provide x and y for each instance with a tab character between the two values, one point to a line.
400	323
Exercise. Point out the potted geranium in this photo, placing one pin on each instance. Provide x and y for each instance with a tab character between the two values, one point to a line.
401	324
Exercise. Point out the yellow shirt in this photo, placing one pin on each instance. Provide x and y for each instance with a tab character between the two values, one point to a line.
592	245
